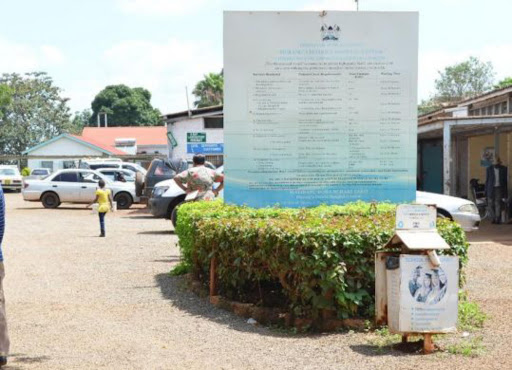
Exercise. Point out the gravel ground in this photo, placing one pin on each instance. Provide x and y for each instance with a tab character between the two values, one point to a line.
77	301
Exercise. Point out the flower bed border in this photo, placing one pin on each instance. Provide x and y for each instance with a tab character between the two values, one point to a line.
271	315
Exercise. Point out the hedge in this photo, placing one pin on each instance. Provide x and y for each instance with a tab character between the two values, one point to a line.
310	259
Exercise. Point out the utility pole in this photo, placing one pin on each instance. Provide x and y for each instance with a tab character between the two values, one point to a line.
357	4
188	105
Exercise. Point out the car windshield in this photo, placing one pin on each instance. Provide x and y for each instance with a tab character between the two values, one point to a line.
7	172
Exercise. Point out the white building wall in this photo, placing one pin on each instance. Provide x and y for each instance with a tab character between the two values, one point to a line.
63	146
181	128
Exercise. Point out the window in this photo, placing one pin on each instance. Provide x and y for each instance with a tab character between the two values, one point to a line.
497	109
68	164
66	177
130	167
102	165
213	122
47	164
7	172
109	174
163	170
39	172
504	107
88	177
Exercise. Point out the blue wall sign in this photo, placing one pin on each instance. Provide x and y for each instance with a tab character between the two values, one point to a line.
205	148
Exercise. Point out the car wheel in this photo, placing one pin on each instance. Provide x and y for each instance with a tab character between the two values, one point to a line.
124	200
174	214
139	183
441	213
174	203
50	200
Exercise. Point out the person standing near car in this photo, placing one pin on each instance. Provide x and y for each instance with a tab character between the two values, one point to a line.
199	179
496	188
104	200
4	337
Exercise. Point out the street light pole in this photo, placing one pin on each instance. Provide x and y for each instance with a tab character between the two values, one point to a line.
357	4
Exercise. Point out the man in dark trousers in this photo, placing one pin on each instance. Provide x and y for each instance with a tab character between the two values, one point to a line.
4	338
496	188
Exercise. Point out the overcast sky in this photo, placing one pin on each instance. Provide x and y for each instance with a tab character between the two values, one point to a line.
165	45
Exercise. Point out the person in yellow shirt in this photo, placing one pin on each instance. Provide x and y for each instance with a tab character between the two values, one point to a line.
104	200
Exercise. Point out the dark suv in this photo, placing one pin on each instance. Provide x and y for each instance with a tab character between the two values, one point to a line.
159	170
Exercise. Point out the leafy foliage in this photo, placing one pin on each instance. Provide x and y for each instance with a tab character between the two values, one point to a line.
472	347
5	97
180	269
321	258
428	106
210	90
36	112
464	80
471	316
125	107
25	171
506	82
81	119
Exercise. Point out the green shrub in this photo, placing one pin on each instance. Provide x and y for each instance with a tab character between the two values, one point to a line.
320	258
471	316
181	268
25	171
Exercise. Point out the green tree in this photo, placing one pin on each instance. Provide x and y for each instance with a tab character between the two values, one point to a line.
429	105
210	90
80	120
125	106
37	112
464	80
5	95
506	82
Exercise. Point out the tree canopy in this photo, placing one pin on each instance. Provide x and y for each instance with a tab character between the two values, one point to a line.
464	80
506	82
125	106
5	97
210	90
34	112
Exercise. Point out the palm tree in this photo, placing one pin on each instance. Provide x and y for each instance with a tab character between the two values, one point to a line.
210	90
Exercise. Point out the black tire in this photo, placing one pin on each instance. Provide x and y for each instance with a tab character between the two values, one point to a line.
139	184
50	200
174	214
173	204
441	213
124	200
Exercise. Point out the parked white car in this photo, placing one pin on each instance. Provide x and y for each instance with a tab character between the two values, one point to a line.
10	178
462	211
95	164
76	186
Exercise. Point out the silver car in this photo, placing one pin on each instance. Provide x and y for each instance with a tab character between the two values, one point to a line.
75	186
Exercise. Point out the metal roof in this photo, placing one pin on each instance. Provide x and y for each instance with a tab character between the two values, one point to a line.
199	112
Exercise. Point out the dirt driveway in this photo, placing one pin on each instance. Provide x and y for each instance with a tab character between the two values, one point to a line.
76	301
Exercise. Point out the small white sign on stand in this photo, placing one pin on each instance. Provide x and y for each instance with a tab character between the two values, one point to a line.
416	291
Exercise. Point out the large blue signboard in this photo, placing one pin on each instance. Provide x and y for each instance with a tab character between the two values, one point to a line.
205	148
320	108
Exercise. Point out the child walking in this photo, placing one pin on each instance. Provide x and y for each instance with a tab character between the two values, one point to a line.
104	200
